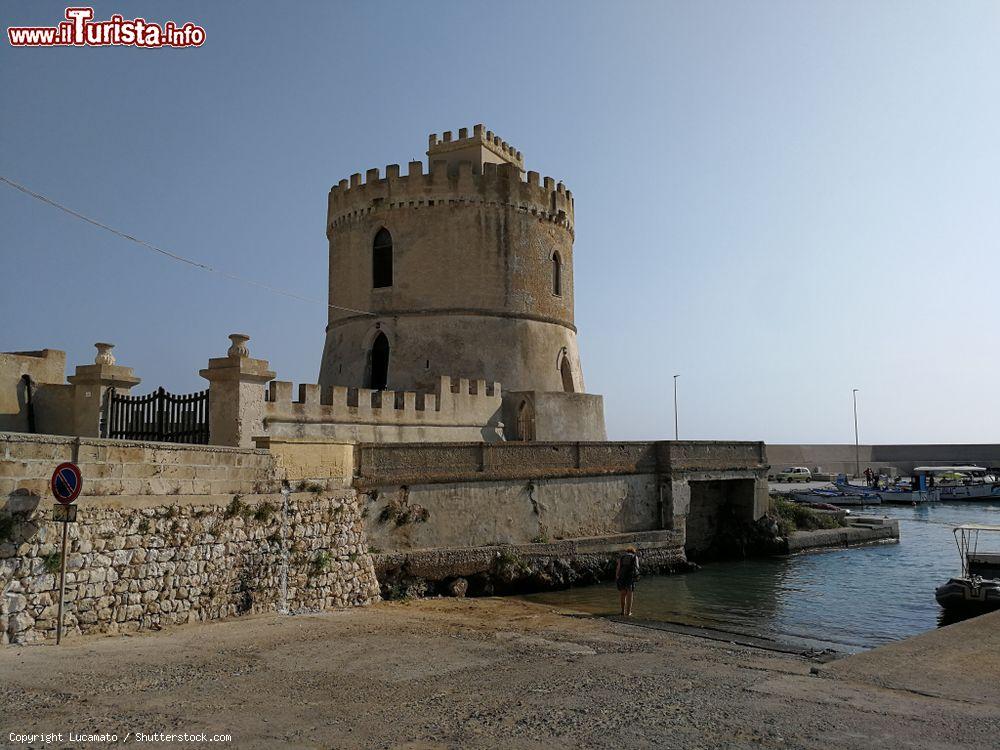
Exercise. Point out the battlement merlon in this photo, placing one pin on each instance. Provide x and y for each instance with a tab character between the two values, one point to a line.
482	147
464	184
341	402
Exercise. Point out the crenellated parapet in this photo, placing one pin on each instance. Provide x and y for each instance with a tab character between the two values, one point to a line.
461	184
490	146
453	403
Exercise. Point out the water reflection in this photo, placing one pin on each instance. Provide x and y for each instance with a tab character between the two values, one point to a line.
848	599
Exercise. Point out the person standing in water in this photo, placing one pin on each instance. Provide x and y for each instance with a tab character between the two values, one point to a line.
626	575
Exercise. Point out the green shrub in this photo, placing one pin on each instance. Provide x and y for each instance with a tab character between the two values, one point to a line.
400	512
798	517
264	512
235	508
52	562
320	563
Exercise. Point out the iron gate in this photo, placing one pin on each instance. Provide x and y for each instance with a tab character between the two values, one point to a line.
160	416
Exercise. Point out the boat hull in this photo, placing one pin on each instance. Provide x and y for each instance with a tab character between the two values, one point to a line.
898	497
971	492
966	594
835	498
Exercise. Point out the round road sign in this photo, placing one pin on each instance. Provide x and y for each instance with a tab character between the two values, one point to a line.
67	481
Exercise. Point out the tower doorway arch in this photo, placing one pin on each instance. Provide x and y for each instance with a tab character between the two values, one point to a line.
378	364
525	421
567	375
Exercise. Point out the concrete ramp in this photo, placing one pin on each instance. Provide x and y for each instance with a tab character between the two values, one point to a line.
958	662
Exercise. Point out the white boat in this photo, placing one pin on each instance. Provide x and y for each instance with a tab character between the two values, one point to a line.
964	483
978	588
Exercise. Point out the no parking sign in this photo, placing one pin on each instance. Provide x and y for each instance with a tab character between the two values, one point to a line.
67	481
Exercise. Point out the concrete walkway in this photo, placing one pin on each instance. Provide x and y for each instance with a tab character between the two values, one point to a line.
960	662
489	673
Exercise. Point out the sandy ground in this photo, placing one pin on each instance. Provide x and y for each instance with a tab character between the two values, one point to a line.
486	673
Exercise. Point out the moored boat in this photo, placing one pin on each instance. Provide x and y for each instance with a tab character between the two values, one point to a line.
978	588
963	483
898	494
834	497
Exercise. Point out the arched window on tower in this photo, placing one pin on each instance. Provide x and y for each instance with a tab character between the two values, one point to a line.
382	259
556	275
378	364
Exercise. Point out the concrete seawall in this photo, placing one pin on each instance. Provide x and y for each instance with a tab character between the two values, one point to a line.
861	531
497	569
841	457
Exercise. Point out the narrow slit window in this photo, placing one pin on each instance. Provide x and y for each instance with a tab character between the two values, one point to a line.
382	259
556	275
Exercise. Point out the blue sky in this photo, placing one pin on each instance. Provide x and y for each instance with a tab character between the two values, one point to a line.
781	201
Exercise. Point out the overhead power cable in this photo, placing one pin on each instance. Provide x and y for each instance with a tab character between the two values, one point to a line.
174	256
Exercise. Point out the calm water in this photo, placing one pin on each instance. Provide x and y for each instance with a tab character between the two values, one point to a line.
847	599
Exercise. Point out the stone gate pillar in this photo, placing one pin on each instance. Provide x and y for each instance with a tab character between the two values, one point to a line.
91	383
236	395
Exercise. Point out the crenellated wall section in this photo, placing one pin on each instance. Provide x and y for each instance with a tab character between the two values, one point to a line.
498	185
458	409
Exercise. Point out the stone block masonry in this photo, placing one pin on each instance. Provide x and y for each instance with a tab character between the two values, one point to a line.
457	409
132	468
151	559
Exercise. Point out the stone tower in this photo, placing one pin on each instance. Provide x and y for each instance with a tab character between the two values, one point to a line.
468	271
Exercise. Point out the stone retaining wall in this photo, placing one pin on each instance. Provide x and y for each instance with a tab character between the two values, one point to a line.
168	534
132	467
132	568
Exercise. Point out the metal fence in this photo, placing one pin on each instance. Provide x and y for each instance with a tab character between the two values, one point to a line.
160	416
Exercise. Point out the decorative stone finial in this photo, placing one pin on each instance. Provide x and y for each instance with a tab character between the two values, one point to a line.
104	355
239	347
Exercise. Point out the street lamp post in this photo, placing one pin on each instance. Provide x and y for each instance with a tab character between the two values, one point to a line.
857	448
676	430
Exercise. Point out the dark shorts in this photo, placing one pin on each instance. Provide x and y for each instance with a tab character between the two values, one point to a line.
625	585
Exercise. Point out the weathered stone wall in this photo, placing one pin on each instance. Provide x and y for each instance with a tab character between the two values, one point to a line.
130	467
470	514
51	398
455	410
402	463
133	568
556	416
201	533
445	496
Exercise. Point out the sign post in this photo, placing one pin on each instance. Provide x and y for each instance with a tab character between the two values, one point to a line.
67	482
